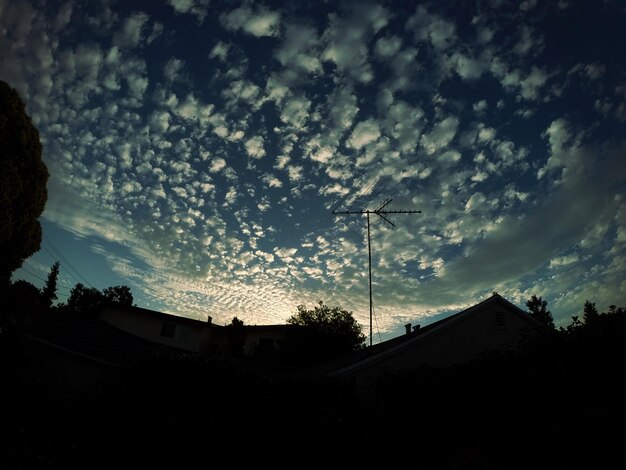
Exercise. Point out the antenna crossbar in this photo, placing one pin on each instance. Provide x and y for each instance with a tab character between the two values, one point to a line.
383	214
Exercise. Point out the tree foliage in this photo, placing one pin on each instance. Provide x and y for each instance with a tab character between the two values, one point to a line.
84	300
49	291
325	332
236	337
537	308
590	313
87	300
119	294
23	180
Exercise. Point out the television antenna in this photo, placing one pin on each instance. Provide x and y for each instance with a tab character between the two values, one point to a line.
383	213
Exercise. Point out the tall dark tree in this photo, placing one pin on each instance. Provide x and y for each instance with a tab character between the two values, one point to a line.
119	294
23	180
84	300
325	332
236	337
537	308
49	291
590	312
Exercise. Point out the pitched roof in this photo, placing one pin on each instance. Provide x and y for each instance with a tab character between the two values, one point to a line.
95	340
161	315
378	352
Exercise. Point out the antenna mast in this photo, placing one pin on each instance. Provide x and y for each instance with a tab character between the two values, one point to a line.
384	215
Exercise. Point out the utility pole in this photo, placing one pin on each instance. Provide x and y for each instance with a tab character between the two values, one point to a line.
384	215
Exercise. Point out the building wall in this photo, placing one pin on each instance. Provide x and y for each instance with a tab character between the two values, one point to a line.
260	340
185	336
457	343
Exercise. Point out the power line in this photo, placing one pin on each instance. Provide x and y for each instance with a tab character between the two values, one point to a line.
54	258
34	275
59	285
380	340
68	264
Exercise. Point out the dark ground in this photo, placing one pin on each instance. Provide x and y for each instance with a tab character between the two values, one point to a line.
560	403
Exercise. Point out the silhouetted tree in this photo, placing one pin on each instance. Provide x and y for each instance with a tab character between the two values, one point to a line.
23	297
325	332
537	309
119	294
20	299
236	337
84	300
22	183
49	291
590	312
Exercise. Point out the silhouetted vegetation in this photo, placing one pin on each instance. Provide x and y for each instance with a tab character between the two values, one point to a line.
556	402
590	313
537	308
86	301
49	291
119	294
22	183
323	333
236	337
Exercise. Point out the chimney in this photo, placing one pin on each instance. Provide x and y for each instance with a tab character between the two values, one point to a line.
408	328
416	327
209	319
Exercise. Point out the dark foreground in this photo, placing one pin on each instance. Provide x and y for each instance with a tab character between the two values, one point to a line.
560	403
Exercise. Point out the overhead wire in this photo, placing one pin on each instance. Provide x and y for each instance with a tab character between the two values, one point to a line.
380	340
60	285
67	263
342	200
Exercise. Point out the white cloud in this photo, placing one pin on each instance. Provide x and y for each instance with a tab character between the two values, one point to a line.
261	22
563	260
272	181
425	26
295	111
172	68
220	51
286	254
347	39
364	133
217	165
468	68
198	8
527	5
441	135
299	49
474	202
322	155
533	82
254	147
295	173
387	47
529	41
450	156
595	71
343	108
486	134
558	137
129	35
231	196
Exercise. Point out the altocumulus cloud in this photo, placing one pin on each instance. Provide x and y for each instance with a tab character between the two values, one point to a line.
195	149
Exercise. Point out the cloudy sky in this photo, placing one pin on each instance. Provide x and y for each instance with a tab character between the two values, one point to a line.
197	148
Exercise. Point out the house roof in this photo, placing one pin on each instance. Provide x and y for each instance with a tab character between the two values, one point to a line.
94	340
263	328
161	315
365	358
189	321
